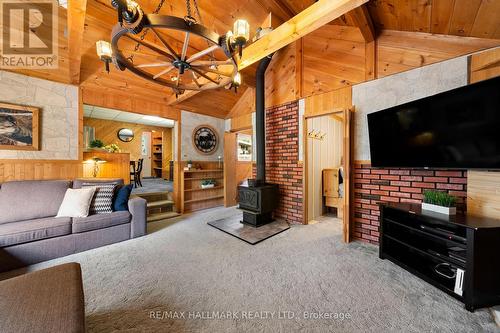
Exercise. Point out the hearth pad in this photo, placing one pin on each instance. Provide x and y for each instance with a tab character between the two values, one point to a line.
249	234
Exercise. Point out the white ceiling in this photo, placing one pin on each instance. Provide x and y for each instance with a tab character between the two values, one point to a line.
90	111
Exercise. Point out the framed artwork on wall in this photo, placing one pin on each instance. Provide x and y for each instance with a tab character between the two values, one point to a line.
205	139
19	127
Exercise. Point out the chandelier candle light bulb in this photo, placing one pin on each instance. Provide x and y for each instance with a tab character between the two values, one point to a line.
105	52
241	34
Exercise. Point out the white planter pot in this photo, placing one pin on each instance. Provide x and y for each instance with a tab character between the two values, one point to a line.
439	209
208	186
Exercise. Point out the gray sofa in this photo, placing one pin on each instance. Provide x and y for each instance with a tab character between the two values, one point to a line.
30	232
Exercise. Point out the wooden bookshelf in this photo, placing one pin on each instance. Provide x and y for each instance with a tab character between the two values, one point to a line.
157	150
194	197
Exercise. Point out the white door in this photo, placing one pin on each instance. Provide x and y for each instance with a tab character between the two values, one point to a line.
146	153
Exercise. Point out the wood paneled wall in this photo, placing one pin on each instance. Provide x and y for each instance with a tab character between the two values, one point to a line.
117	165
106	98
399	51
334	56
483	188
107	130
39	170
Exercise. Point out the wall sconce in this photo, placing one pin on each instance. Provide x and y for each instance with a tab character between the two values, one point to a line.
95	162
105	52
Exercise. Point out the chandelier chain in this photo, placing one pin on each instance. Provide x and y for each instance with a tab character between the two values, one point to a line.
145	32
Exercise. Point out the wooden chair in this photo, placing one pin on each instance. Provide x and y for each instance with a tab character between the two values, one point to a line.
135	175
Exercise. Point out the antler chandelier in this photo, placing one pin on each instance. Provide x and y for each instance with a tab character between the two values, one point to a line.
209	68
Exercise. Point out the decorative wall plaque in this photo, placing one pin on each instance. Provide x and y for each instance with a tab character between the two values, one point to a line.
205	139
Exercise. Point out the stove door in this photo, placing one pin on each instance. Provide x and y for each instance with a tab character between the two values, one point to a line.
249	199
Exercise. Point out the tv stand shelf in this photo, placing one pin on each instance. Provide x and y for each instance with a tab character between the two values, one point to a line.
438	248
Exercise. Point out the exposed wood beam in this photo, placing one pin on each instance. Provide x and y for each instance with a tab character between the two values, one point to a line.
76	25
297	27
362	19
371	60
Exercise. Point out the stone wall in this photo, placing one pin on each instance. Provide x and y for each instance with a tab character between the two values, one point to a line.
58	103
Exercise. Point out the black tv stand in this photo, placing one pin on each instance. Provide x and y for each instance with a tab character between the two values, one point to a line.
457	254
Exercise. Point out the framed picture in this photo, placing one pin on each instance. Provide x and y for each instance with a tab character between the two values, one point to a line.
19	127
244	147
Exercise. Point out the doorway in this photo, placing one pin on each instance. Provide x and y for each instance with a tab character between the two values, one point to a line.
146	153
327	149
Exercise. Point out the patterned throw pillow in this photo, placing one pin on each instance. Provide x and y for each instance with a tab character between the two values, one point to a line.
102	202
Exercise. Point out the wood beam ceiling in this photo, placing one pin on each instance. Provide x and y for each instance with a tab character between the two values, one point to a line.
300	25
361	18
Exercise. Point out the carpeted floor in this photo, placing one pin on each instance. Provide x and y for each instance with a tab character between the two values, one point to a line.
187	266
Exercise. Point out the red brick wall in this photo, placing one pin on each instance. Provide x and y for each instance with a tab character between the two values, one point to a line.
282	159
374	185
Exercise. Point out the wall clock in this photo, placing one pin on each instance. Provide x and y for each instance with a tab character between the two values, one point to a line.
205	139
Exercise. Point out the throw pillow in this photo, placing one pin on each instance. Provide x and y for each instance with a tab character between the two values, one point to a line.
121	198
103	198
76	202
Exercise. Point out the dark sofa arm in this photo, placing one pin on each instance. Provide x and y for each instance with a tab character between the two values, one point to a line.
137	208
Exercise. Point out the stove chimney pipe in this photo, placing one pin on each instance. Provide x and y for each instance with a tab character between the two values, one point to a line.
260	118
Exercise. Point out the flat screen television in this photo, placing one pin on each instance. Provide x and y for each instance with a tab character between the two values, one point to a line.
459	128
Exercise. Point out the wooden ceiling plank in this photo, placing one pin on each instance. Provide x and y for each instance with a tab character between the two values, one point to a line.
76	23
464	15
421	15
300	25
361	18
487	20
442	12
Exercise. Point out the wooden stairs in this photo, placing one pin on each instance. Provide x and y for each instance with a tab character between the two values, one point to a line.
160	205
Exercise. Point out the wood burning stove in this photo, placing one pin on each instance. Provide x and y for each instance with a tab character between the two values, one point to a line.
258	199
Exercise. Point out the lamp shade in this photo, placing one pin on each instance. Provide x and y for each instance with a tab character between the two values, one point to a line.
241	31
104	50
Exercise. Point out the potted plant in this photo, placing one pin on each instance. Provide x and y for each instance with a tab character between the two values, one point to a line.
96	144
440	202
207	183
190	164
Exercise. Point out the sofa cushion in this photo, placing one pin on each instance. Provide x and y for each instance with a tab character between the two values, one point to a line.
99	221
121	198
39	199
48	300
32	230
102	202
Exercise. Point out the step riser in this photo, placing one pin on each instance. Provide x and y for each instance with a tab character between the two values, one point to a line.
158	210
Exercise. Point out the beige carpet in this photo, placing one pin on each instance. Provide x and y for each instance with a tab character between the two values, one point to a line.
187	266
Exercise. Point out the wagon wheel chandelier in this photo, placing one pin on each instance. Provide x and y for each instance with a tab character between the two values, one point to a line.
211	68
